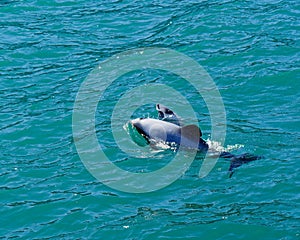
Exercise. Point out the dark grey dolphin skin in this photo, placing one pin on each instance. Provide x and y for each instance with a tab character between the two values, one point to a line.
168	129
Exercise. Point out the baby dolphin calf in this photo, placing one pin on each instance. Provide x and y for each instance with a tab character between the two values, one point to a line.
167	114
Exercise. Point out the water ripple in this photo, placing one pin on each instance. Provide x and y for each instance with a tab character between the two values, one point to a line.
47	48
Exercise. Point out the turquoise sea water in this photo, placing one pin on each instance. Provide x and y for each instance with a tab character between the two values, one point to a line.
48	48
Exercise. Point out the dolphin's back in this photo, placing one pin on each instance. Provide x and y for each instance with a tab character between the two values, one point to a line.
188	136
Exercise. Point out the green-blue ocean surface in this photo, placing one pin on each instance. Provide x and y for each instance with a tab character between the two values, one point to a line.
251	50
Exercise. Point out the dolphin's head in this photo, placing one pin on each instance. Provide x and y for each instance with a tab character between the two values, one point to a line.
163	111
155	129
135	130
167	114
139	126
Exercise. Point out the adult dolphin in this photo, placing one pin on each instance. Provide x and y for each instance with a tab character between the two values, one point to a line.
168	129
188	136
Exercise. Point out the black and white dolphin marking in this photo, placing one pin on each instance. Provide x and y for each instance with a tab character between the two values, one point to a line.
168	129
167	114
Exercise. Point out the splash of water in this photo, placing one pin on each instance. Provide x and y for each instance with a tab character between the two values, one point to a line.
217	147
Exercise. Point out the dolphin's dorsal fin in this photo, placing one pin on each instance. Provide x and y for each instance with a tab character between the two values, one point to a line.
191	132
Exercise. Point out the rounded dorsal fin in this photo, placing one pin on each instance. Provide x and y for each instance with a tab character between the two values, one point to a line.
191	132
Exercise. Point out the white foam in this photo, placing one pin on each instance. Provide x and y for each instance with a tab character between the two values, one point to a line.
217	147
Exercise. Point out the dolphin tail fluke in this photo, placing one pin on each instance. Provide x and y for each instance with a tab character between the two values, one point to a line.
226	155
238	160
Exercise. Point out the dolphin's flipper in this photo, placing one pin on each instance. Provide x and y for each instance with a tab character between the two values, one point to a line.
167	114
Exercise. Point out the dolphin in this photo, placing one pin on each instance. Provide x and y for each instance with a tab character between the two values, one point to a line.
167	114
168	130
188	136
